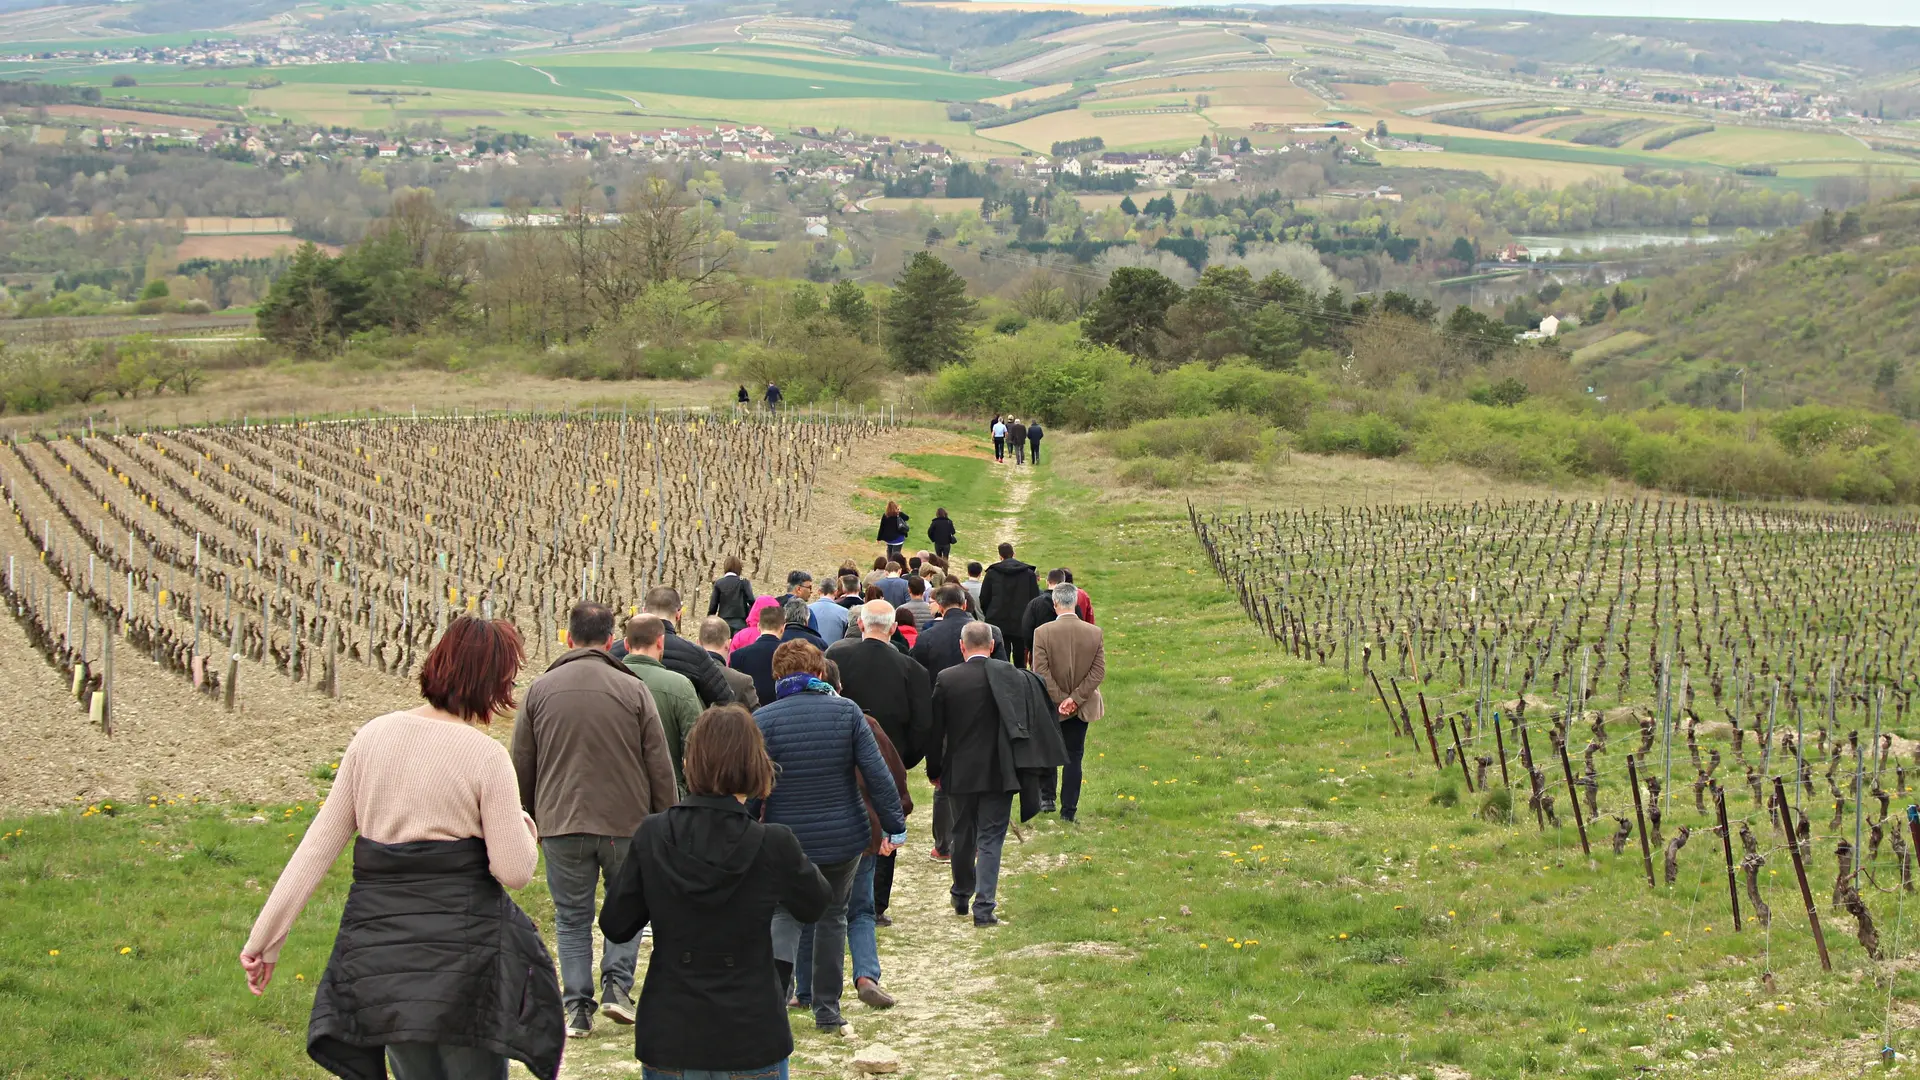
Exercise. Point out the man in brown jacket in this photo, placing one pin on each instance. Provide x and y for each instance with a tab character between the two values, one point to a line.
1071	657
593	762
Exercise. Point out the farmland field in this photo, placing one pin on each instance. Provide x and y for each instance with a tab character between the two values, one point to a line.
1529	171
1163	131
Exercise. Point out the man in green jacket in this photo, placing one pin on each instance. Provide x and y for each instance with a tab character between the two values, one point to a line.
673	693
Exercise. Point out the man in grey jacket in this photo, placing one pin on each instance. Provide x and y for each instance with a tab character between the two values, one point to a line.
592	759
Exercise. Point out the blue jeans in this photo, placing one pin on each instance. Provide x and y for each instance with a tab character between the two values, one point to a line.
860	935
575	864
775	1071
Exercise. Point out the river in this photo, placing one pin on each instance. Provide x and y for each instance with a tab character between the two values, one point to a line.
1552	247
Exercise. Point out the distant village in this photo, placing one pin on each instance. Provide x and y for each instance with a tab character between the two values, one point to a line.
835	158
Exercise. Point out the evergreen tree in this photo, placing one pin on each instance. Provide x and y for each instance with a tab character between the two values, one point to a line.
928	316
1131	311
848	303
1129	207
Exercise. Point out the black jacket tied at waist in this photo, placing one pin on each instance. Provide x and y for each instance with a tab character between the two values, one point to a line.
432	950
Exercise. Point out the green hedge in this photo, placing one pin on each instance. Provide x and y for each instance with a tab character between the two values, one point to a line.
1197	414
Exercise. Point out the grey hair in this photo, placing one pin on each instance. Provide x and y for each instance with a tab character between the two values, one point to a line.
977	635
876	620
1065	595
796	611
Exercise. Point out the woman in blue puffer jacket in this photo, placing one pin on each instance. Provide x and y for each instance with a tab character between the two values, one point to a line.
818	740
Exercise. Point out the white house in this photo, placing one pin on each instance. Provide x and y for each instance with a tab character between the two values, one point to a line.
1549	326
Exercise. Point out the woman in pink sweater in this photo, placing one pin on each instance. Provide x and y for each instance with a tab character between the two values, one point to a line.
436	805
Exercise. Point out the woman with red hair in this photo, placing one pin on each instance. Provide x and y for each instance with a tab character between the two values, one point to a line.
434	969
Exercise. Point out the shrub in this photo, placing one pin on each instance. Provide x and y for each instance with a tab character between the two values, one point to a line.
1180	472
1371	434
1011	323
1220	437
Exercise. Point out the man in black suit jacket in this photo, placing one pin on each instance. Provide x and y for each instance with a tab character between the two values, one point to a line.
894	690
756	660
970	760
939	645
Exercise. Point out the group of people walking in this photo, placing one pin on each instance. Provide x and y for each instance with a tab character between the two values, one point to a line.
1016	436
740	795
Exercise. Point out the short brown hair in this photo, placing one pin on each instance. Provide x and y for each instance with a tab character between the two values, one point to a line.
796	657
645	630
771	618
470	672
733	565
726	755
714	631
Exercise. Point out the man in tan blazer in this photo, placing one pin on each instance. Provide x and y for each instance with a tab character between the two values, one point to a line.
1071	657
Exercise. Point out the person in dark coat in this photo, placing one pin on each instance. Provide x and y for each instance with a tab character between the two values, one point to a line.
1034	435
938	647
1006	590
435	971
756	660
732	595
970	762
818	740
714	638
683	657
941	534
708	877
743	397
774	398
895	690
1017	440
1040	609
893	530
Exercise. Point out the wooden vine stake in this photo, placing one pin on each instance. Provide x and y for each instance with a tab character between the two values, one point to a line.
1639	811
233	666
1426	720
1806	894
1726	847
103	698
1573	796
1465	774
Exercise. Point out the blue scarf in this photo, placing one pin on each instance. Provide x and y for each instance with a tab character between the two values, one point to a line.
801	683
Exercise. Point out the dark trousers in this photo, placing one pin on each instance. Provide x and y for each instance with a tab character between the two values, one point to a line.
979	832
882	883
440	1061
1017	649
999	448
1035	443
1074	732
829	942
942	821
943	550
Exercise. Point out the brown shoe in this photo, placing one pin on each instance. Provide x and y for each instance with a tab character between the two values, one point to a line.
872	995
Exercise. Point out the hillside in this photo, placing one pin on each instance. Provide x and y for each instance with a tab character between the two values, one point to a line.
1828	312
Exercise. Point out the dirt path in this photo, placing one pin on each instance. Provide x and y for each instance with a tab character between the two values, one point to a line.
930	959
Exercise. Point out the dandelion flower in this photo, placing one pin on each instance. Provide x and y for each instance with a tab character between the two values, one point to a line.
53	952
1203	944
124	950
